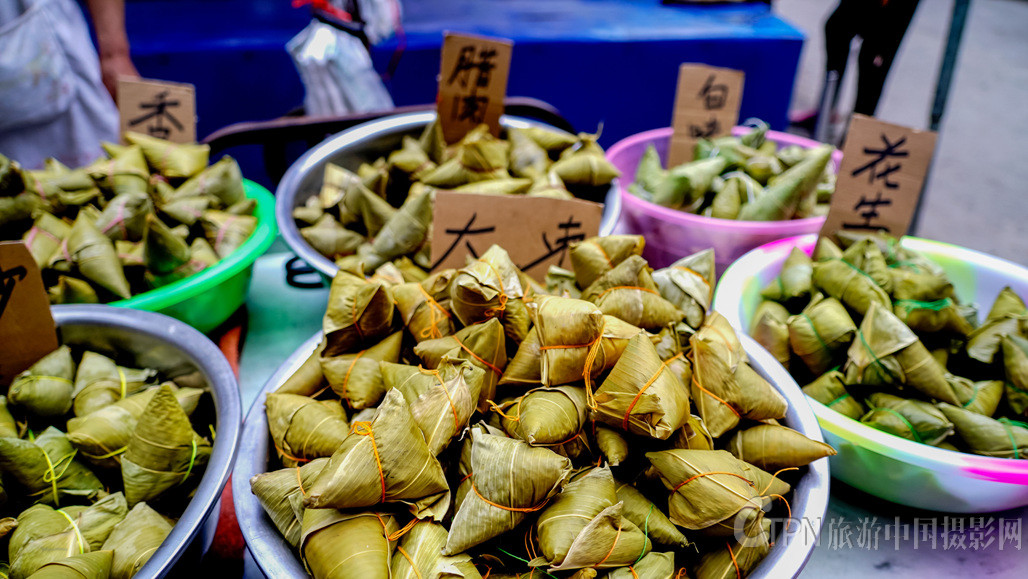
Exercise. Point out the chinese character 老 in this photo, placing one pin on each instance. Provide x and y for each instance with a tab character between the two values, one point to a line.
157	113
714	95
881	156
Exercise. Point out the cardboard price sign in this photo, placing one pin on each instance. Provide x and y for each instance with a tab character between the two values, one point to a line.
535	231
27	330
472	83
166	110
706	106
880	179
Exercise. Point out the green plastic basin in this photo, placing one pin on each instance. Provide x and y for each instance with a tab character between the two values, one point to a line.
207	299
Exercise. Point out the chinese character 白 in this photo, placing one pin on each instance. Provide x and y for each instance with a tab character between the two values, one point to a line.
157	113
714	95
881	156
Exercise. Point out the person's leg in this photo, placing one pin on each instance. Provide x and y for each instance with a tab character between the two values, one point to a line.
881	43
840	29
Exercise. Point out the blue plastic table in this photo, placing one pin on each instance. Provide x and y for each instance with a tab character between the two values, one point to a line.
613	61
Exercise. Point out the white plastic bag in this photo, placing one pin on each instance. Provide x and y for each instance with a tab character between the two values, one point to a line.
337	72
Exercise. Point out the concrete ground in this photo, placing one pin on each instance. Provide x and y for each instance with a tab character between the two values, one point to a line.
976	190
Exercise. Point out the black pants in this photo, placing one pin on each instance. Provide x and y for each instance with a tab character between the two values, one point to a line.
881	25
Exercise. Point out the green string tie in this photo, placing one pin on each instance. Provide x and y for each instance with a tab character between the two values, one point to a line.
1007	423
917	437
646	534
837	400
874	357
525	561
192	460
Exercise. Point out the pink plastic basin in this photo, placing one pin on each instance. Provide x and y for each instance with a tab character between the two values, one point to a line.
672	234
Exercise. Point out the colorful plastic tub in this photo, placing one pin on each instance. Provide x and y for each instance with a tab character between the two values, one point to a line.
671	234
884	465
207	299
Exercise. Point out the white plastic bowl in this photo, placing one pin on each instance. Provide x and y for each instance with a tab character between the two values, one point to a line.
887	466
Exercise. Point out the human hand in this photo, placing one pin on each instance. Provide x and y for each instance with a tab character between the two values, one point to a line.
113	66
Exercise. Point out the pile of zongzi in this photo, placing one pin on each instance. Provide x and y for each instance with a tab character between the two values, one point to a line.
878	334
746	178
383	212
98	460
151	214
478	423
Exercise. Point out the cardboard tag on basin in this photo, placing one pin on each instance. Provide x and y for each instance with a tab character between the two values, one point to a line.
27	331
535	231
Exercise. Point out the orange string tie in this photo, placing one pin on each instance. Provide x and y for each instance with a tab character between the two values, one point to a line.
774	476
364	429
609	553
499	410
710	288
711	473
511	509
634	574
439	377
299	482
492	367
696	381
498	310
731	554
680	574
628	412
411	561
435	308
403	531
346	379
787	508
285	454
603	252
626	287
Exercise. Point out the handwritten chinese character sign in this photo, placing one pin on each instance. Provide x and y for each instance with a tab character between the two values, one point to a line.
472	83
164	110
26	327
881	177
536	231
706	106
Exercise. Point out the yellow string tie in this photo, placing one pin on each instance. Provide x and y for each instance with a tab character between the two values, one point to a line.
78	534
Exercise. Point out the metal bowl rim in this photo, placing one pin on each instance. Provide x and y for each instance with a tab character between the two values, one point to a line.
228	409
